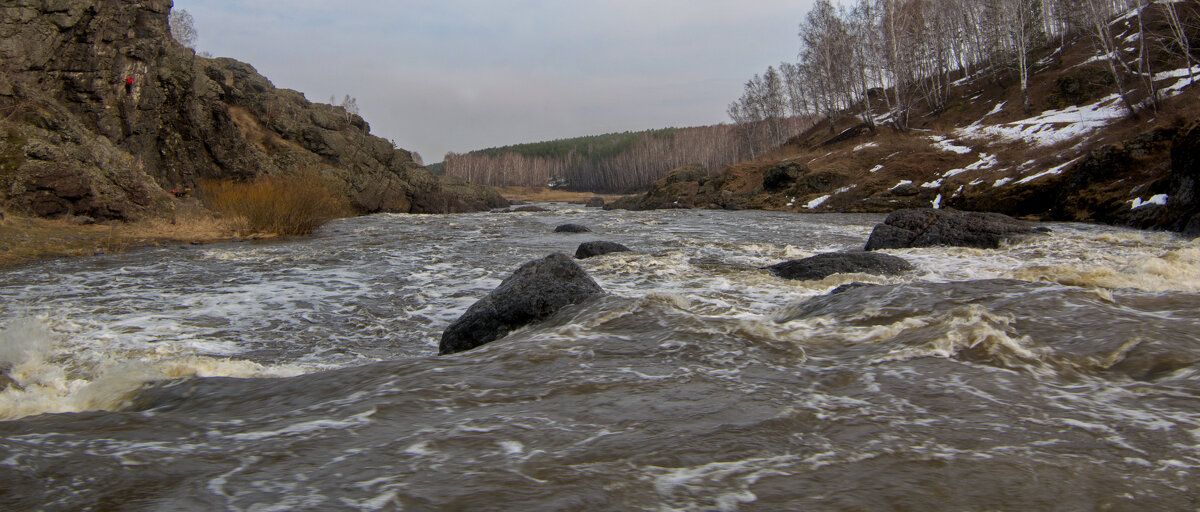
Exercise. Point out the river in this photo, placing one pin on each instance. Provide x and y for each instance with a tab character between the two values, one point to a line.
1059	373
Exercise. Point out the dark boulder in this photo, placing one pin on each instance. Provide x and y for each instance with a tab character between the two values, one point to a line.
927	227
572	228
1184	195
598	248
849	286
905	190
533	293
595	202
824	265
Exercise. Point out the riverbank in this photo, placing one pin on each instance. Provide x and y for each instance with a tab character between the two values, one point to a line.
549	195
24	239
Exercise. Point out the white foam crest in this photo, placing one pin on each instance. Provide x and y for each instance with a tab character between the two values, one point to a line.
52	374
1174	270
970	328
684	484
306	427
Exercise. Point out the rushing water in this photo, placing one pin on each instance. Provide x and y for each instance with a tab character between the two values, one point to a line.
1060	373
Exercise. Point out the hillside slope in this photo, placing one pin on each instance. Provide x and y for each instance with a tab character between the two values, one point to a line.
1077	156
101	111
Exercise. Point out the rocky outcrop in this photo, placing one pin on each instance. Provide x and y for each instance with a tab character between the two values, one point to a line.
572	228
928	227
598	248
782	176
825	265
533	293
684	187
1183	203
595	202
101	111
1104	186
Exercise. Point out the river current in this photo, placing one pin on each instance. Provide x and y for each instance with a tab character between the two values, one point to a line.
1058	373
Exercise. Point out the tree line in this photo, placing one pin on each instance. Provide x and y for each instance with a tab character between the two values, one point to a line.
612	163
880	59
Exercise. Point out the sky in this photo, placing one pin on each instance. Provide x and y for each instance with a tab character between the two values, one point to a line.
458	75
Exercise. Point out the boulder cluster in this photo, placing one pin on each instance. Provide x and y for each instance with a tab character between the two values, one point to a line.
541	288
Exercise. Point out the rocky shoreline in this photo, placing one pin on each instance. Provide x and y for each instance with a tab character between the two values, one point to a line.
1094	188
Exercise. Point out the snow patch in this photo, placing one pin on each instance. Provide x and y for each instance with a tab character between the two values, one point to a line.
1052	126
876	168
946	144
937	202
817	202
1048	172
1160	199
1175	73
986	161
1177	86
845	189
999	107
932	184
901	184
1002	182
867	145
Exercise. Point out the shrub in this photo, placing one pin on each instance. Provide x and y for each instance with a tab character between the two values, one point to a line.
284	205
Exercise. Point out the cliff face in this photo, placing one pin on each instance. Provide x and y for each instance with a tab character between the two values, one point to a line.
101	111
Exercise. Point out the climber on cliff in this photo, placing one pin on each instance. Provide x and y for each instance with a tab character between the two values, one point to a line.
129	85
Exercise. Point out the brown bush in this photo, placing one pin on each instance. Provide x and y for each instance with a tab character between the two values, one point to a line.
297	204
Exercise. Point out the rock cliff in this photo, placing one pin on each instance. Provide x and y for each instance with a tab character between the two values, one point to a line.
101	111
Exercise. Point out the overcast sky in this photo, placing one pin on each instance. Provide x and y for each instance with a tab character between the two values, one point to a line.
459	75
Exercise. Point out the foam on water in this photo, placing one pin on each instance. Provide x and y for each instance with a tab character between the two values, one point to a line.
53	374
698	382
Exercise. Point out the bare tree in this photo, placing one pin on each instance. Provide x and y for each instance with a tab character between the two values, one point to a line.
1179	35
1022	24
350	105
1094	16
183	27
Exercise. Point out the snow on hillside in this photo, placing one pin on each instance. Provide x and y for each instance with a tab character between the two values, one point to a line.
1052	126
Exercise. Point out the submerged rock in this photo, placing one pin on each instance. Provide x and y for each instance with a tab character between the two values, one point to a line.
572	228
824	265
598	248
927	227
533	293
850	286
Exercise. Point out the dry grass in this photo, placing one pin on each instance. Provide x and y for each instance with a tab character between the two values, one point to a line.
24	239
277	205
548	195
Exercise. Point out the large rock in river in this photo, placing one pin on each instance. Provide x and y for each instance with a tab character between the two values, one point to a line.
927	227
824	265
572	228
598	248
531	294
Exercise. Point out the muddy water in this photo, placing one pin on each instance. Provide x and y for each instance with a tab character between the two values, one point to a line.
1056	374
